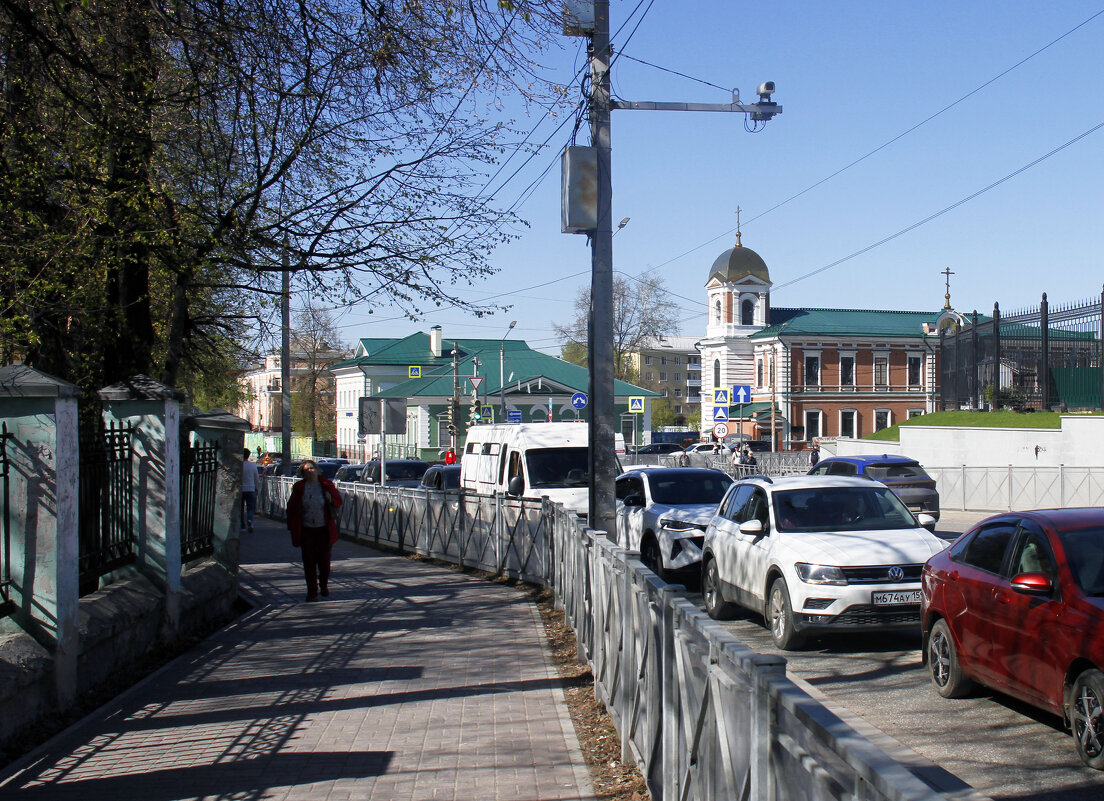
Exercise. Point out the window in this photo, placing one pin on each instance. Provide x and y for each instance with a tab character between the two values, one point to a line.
747	312
717	310
914	364
847	371
812	424
716	372
678	360
647	360
678	410
759	372
662	376
678	393
678	376
665	392
881	371
812	371
985	550
663	360
882	419
847	424
915	413
648	376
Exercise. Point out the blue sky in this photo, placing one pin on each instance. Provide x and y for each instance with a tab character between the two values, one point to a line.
851	77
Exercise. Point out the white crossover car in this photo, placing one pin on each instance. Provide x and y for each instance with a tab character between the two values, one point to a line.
663	511
816	554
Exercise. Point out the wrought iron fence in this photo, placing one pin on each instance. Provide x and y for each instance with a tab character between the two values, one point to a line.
1042	358
106	503
198	476
703	716
6	605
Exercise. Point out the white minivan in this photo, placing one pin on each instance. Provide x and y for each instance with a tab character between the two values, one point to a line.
530	459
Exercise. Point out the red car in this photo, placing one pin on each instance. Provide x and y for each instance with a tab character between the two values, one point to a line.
1017	604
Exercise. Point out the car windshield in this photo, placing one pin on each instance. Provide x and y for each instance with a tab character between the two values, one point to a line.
882	471
405	471
840	509
1084	549
680	489
557	467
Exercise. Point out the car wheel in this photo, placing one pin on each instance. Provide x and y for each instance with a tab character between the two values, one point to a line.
652	559
1087	718
946	673
715	604
780	617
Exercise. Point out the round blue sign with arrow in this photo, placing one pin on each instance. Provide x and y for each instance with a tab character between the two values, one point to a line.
579	400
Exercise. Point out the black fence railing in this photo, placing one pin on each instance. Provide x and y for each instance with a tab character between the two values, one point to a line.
106	504
6	605
1044	358
198	475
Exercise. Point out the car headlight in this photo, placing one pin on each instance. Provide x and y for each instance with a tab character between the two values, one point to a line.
819	574
680	525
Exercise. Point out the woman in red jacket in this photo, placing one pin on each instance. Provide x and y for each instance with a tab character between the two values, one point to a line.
312	519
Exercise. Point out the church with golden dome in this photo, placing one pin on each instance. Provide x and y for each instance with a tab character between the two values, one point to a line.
797	375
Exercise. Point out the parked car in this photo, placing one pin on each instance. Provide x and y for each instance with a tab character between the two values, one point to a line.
903	475
706	448
400	472
816	554
442	477
1017	604
348	472
327	469
659	448
663	511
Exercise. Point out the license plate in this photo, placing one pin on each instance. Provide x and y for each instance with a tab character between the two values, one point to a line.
894	598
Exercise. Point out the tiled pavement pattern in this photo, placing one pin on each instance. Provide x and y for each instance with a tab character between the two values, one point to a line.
409	682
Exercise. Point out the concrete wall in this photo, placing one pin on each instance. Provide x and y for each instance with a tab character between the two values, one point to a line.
1078	443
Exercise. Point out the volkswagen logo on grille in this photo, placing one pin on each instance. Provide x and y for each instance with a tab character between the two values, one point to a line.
896	573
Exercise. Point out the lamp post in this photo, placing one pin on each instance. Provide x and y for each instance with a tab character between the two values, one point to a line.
501	362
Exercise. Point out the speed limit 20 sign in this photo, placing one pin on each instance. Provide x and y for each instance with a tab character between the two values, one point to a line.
720	430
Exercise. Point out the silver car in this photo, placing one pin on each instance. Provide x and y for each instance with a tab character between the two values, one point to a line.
663	512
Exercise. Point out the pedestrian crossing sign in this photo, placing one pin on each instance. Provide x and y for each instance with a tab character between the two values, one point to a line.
720	397
636	404
414	371
720	414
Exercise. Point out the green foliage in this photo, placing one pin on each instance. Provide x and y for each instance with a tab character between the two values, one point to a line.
662	415
574	352
999	419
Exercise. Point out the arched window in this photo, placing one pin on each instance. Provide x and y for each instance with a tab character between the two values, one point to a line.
747	312
716	372
717	310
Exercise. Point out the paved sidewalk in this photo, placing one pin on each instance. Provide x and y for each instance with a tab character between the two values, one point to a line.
409	682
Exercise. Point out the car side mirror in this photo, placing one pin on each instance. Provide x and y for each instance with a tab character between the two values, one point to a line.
927	521
753	528
1032	584
634	500
516	486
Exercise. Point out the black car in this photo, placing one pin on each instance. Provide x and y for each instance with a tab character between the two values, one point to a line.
348	472
659	448
442	477
400	472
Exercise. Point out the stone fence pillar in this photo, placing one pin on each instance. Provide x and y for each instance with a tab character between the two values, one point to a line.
153	409
40	411
228	432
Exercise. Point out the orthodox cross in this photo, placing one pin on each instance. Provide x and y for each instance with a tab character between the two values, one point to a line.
738	210
947	297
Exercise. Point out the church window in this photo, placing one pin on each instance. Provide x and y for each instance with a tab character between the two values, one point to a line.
716	372
747	312
717	310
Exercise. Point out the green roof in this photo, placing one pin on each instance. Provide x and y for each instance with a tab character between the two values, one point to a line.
845	322
415	350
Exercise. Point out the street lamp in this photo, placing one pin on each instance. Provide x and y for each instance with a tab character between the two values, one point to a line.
620	225
501	361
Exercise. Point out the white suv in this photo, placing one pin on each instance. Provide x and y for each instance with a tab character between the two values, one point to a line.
816	553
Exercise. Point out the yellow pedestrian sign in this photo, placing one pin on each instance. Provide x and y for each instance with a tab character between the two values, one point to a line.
636	404
414	371
720	397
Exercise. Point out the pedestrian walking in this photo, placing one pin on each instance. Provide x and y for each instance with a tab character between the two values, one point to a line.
312	520
814	456
249	491
749	457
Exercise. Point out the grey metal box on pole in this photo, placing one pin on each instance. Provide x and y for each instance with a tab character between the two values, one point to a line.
579	190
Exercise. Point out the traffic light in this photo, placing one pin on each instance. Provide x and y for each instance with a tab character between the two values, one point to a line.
474	415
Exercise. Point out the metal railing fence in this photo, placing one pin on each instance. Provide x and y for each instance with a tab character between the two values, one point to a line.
106	522
703	716
1005	487
198	477
6	606
782	463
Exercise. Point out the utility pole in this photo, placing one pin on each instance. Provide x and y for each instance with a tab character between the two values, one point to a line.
603	460
454	406
285	363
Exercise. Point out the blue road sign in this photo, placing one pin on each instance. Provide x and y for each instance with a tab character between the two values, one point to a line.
636	404
720	414
513	415
720	397
579	400
741	393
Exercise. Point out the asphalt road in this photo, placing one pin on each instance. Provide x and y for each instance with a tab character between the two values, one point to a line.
1002	748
